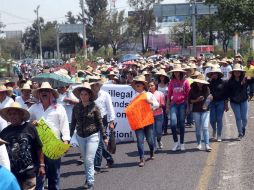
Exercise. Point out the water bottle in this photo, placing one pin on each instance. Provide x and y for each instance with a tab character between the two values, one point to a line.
207	102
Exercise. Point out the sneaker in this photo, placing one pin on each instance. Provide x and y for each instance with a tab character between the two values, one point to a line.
219	139
208	148
152	157
109	164
141	163
182	148
176	146
244	130
199	147
88	187
160	145
239	138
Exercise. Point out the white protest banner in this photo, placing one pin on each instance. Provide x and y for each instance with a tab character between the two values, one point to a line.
121	96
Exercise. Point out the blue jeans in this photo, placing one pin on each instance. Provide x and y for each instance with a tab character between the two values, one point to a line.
241	115
201	120
157	128
141	134
88	147
52	173
216	116
177	116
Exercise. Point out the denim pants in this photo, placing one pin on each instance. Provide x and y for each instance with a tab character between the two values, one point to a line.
177	116
250	87
141	134
157	128
88	147
52	173
216	116
241	115
165	119
201	120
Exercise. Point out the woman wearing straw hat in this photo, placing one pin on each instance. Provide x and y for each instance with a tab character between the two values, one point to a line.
200	98
178	91
219	104
238	96
163	80
87	120
140	85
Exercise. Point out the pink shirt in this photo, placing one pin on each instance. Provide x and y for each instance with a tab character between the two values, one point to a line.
178	91
159	96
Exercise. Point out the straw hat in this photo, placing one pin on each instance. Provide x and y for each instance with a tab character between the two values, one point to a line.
215	70
162	73
237	67
200	79
177	68
224	60
238	55
195	74
192	59
2	142
7	90
84	86
112	73
94	80
140	78
177	62
46	86
6	82
14	105
26	86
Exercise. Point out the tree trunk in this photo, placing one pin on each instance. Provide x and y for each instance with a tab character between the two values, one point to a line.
147	40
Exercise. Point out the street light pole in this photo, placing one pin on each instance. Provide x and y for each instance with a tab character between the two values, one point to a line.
39	29
84	31
194	36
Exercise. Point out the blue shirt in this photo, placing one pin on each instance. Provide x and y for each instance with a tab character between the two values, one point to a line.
8	180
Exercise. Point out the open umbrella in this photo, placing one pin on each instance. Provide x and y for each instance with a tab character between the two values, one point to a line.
54	79
128	57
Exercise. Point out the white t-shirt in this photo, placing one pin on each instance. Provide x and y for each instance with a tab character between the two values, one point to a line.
4	158
68	107
20	100
225	71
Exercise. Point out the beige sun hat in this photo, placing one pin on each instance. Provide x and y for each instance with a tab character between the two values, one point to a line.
224	60
140	78
200	79
192	59
5	89
177	68
161	72
237	67
195	74
2	142
146	73
112	73
14	105
84	86
177	61
215	70
26	86
94	80
46	86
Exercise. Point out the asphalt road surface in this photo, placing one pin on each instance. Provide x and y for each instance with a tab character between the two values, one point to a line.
230	165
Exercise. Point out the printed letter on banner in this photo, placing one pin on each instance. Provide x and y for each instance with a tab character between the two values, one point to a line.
53	147
139	112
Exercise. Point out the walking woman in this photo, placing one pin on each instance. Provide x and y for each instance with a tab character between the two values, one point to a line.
178	91
163	80
200	97
238	96
86	119
140	85
158	115
219	103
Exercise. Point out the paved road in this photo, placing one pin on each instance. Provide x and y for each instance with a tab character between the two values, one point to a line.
230	165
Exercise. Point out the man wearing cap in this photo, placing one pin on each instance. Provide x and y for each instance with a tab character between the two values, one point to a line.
23	146
25	95
104	102
56	118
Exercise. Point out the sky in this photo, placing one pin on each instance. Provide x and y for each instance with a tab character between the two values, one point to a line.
19	14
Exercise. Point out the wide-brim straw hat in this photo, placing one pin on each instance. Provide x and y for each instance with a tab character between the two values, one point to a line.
192	59
84	86
177	68
195	74
140	78
146	73
4	113
162	72
95	80
6	82
215	70
2	142
200	79
45	86
26	86
225	61
3	88
237	67
238	55
112	73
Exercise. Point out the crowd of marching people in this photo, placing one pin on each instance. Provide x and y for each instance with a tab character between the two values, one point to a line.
179	93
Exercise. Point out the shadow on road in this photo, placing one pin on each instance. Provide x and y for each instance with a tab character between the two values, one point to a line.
72	173
125	165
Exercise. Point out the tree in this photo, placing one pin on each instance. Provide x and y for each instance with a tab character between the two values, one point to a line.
143	18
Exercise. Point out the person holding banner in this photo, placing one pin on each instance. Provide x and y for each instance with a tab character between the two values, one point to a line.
23	146
87	120
178	91
56	118
142	120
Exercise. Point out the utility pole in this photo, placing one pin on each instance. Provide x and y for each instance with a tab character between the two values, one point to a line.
194	35
84	31
39	29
